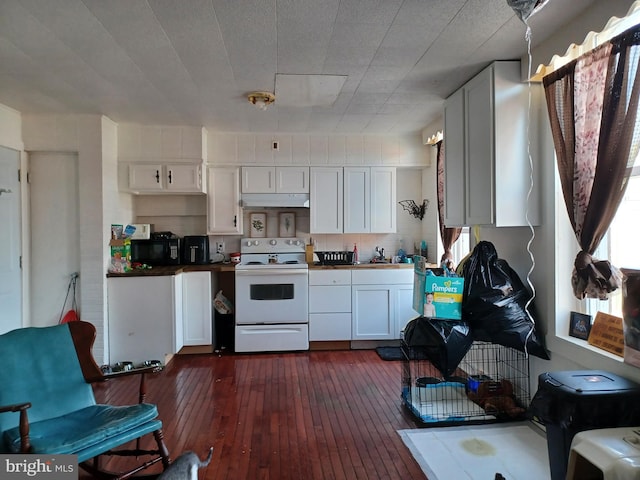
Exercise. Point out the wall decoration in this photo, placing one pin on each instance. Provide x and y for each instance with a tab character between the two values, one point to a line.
580	325
287	225
258	223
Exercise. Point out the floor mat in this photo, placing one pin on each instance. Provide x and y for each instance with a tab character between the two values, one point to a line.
390	353
516	450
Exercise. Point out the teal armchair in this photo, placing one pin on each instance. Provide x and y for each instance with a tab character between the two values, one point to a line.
47	405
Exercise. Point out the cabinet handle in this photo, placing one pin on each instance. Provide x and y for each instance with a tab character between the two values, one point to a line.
157	176
235	220
170	176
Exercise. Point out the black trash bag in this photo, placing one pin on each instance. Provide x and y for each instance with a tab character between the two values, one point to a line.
443	342
494	303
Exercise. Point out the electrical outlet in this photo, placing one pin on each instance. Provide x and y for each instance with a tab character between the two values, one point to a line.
219	247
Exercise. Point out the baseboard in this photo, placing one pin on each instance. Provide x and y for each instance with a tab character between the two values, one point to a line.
330	345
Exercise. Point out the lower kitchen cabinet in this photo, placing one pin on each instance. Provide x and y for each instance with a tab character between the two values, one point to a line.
196	308
145	318
329	305
381	301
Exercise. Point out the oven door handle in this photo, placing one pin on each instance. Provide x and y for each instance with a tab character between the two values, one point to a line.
272	271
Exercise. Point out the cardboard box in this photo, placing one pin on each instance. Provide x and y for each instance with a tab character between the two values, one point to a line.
120	255
446	292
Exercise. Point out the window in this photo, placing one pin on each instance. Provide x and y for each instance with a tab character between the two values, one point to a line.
620	245
460	248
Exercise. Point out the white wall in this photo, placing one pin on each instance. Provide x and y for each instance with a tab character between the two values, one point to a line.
82	134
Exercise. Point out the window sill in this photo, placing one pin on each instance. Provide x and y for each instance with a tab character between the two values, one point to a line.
592	358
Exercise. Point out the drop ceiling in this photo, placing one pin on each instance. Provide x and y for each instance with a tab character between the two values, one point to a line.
192	62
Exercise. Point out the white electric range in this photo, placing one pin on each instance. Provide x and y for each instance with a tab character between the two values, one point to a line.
272	311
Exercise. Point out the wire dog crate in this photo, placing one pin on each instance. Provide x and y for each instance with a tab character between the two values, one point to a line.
491	384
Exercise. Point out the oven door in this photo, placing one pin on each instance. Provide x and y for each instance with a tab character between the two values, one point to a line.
271	295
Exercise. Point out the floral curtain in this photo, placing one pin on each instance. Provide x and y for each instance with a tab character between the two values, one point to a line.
592	104
448	235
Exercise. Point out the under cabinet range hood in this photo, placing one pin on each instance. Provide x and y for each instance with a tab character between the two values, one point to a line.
275	200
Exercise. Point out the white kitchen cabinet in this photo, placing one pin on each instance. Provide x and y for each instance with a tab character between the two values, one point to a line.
326	200
224	214
163	178
196	308
275	180
487	168
329	305
357	200
383	200
145	318
381	301
404	307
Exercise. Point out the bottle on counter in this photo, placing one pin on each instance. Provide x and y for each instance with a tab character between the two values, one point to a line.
355	253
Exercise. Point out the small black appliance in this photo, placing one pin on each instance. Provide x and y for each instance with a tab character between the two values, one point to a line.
163	248
195	250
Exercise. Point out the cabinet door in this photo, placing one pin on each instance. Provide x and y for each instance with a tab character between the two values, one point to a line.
224	215
196	308
357	200
143	318
329	298
258	180
147	178
292	179
479	150
383	200
454	186
404	311
326	200
184	178
329	326
372	315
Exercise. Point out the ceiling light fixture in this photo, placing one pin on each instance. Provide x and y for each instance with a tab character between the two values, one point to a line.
261	99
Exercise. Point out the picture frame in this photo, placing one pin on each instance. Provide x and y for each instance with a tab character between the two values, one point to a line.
258	225
580	325
287	224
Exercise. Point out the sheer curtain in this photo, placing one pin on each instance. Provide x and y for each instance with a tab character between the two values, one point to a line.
448	235
593	104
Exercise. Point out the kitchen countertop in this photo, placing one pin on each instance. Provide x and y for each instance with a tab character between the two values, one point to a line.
229	267
176	269
362	265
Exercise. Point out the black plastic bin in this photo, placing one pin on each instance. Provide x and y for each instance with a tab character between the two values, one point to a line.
569	402
225	333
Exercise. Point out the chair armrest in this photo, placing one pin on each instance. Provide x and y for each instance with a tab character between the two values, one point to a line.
25	443
15	408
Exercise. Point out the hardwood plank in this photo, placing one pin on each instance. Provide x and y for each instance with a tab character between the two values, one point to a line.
316	415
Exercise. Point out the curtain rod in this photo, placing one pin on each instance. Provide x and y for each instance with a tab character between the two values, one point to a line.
614	27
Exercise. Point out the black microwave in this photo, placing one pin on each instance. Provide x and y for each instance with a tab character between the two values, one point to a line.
156	251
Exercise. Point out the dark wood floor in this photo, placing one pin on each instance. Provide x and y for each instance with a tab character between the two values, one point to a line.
312	415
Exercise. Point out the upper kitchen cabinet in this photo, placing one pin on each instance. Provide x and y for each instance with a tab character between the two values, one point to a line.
224	214
161	159
159	178
326	200
275	180
487	167
369	200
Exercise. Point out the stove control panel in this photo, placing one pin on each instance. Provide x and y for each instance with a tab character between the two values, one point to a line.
272	245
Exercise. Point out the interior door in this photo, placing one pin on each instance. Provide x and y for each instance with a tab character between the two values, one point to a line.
10	250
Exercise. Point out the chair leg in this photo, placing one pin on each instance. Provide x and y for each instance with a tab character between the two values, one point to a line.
162	448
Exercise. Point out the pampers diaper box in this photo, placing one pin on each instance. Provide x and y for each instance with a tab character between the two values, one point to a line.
444	293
